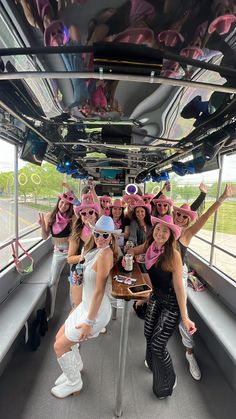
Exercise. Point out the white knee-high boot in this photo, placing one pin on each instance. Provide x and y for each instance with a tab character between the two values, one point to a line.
62	378
73	383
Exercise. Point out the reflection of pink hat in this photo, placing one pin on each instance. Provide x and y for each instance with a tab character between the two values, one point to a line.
117	204
167	220
86	205
222	24
56	34
163	199
185	209
142	204
127	198
148	195
68	197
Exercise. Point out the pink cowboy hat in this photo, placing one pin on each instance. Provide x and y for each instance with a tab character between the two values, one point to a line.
135	197
117	204
167	220
163	199
142	204
106	198
148	196
86	205
185	209
56	34
68	197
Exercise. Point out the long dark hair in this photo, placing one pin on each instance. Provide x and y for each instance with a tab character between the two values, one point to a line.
77	228
166	260
122	218
55	210
147	218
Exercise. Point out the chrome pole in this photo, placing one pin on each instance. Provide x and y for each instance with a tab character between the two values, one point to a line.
113	76
216	213
16	197
122	359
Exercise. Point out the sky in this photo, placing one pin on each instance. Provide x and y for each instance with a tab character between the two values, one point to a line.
229	174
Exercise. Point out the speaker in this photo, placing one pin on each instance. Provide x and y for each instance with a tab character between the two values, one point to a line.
117	134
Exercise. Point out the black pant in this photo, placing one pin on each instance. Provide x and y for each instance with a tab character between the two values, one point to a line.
162	317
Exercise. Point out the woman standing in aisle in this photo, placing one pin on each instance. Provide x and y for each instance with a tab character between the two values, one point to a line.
94	311
167	302
86	215
184	217
58	223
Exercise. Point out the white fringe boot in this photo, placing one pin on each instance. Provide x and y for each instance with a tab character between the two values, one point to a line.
73	383
62	378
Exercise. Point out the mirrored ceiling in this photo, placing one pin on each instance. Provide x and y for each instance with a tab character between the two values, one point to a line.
135	84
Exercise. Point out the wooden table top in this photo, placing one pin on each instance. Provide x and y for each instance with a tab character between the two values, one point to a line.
120	290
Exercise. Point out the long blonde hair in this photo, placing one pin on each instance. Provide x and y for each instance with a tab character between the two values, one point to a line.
90	245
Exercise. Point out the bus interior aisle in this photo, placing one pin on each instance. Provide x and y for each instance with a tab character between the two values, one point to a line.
26	382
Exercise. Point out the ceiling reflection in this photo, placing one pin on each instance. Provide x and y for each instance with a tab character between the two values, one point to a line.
172	39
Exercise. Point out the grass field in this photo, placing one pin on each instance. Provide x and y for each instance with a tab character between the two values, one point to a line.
40	207
226	221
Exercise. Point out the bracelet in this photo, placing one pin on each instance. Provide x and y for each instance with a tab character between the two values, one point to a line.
89	322
221	200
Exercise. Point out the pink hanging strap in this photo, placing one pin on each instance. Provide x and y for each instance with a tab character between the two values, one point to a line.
18	264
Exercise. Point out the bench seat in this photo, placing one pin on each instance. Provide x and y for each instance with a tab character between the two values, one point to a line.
216	324
15	311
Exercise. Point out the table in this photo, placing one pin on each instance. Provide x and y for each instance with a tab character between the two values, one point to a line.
120	290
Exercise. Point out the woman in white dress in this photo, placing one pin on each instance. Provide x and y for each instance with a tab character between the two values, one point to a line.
94	311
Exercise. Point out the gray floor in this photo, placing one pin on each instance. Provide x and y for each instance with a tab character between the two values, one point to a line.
25	384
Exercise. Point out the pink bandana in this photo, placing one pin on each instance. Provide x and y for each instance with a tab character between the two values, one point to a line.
152	255
86	232
60	223
107	211
117	224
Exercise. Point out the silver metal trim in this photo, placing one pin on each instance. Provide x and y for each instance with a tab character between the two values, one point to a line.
113	76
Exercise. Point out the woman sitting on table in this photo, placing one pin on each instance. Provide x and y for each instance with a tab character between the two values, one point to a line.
167	302
93	313
86	215
140	225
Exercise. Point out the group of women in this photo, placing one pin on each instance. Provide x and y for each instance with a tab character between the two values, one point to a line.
86	235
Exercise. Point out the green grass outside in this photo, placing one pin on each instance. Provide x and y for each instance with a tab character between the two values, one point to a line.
226	220
44	208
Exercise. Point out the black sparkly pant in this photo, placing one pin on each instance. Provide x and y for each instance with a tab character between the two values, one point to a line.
162	318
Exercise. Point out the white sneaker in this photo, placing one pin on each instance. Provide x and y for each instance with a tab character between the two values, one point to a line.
146	365
103	331
193	366
175	383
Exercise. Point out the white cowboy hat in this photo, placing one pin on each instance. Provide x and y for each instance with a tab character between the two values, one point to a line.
105	224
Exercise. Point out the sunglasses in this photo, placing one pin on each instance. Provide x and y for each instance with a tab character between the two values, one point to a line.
179	214
86	213
104	235
105	200
70	198
162	205
146	199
